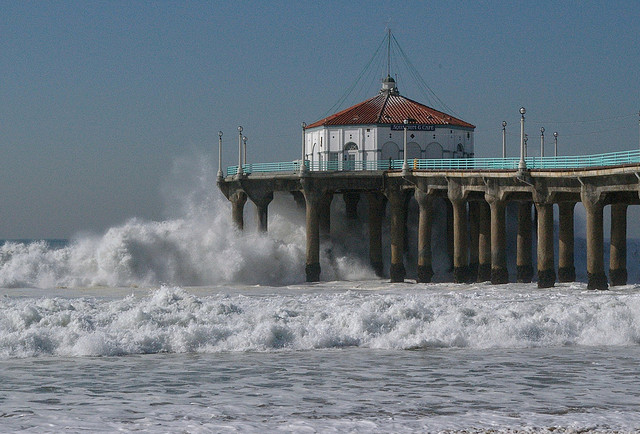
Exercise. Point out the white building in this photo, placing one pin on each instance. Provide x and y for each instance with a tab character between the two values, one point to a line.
373	130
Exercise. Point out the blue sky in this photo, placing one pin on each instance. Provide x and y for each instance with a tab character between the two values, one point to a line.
98	99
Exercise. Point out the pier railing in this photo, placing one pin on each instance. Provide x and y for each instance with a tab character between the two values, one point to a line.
562	162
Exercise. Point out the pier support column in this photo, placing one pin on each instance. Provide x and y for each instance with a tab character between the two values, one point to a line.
460	235
523	254
351	200
499	273
324	216
425	268
566	266
546	266
376	213
484	242
593	204
398	203
262	205
618	248
238	199
312	199
474	234
450	242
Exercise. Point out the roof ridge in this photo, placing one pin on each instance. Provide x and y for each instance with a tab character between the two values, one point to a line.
384	105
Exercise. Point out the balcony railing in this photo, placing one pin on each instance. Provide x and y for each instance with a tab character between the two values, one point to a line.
563	162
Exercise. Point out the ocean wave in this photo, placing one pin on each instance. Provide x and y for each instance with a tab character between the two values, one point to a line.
174	320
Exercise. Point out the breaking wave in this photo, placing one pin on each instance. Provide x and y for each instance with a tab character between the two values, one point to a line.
173	320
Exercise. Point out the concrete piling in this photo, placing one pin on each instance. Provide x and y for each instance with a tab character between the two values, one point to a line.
566	266
618	247
524	265
593	203
425	204
398	206
484	242
499	273
376	213
238	199
546	266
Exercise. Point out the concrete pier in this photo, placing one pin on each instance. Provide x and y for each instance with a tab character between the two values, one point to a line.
398	205
484	242
425	204
546	266
566	266
593	204
376	214
313	198
460	235
618	247
524	265
477	236
499	273
474	240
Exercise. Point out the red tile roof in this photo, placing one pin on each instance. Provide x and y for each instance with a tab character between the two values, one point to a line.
390	108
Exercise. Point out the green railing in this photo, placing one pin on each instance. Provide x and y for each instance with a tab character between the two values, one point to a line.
564	162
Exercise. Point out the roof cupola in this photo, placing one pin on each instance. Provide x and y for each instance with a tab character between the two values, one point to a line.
389	86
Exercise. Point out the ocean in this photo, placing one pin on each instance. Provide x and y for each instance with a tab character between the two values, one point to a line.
185	325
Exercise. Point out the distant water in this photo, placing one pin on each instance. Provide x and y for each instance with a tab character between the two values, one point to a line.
186	325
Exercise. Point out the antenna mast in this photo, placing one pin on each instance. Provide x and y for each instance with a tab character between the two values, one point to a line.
389	53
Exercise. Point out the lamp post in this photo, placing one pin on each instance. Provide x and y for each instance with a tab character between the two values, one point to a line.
526	145
302	166
244	143
240	151
405	164
504	139
542	141
219	154
555	143
522	165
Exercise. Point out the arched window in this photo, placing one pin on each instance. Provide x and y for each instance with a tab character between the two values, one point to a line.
413	151
390	151
350	147
433	151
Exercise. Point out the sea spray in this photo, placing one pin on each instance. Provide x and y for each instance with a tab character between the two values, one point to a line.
196	245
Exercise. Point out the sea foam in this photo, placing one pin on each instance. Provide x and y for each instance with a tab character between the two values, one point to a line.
174	320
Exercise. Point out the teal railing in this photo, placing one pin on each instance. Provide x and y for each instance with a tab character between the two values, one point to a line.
563	162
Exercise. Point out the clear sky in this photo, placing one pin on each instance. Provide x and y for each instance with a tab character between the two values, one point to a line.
97	99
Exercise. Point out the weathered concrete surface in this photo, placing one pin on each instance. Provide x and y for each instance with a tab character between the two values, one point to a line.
376	214
484	242
524	272
425	205
460	235
618	248
546	270
398	204
566	266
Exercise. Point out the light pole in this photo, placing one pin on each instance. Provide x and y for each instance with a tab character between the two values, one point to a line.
526	145
240	151
405	164
219	154
542	141
244	142
504	139
555	143
302	166
522	165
